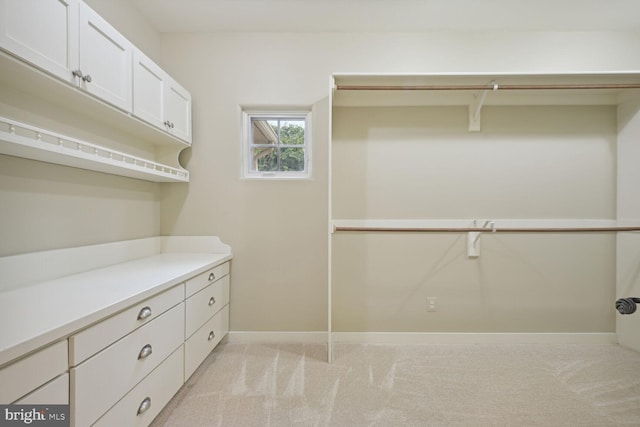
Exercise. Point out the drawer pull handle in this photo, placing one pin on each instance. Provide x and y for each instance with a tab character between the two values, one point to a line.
144	313
145	352
212	276
211	336
144	406
212	301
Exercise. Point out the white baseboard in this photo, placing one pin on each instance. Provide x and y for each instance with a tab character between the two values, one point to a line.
473	338
409	338
276	337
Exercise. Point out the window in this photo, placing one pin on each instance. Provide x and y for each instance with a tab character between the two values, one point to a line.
277	145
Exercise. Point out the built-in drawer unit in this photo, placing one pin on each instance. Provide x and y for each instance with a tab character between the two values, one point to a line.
55	392
204	340
205	303
31	372
100	381
118	360
88	342
204	279
142	404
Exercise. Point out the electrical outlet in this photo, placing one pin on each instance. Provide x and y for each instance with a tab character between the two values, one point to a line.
431	304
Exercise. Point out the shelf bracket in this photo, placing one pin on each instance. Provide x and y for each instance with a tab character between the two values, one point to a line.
473	238
476	107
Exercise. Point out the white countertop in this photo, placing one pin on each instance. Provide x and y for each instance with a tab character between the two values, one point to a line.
36	315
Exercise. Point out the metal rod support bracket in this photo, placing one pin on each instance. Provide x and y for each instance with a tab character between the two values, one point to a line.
476	107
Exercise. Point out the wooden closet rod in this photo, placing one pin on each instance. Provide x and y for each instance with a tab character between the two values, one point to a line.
488	230
495	87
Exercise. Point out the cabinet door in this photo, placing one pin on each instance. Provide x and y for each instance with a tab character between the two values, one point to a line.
42	32
105	60
148	90
178	110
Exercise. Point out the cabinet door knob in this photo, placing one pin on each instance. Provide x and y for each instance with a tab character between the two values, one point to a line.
212	276
144	406
87	78
145	352
144	313
77	73
172	125
211	336
167	123
212	301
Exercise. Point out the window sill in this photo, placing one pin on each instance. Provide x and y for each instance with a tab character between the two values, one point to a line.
275	177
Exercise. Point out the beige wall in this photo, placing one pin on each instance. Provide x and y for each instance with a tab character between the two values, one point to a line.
278	229
45	206
542	162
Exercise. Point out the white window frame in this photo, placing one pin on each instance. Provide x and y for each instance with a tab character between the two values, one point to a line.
247	144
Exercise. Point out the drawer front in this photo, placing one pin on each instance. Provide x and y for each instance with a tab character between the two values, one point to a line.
198	347
25	375
102	380
202	280
90	341
55	392
142	404
206	303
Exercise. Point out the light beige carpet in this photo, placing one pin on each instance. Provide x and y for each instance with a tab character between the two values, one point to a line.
389	385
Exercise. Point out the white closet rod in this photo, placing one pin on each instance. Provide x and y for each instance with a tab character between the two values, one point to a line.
496	87
485	230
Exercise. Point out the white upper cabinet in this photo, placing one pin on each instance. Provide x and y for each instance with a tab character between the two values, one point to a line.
44	33
105	58
63	52
178	109
68	39
160	100
148	90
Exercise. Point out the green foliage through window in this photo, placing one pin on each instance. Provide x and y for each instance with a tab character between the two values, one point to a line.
278	144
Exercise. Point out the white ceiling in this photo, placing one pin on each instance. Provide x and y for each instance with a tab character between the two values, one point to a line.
390	15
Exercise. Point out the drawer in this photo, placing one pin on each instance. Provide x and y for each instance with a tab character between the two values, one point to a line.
25	375
202	280
153	393
206	303
198	347
55	392
90	341
100	381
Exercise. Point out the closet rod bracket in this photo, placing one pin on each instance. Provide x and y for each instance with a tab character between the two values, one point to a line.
476	107
473	237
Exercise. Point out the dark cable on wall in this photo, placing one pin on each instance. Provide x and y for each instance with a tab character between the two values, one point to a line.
627	305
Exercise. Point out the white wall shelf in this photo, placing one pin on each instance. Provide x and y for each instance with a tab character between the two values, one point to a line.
347	92
22	140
